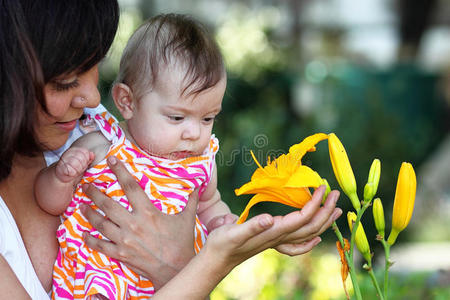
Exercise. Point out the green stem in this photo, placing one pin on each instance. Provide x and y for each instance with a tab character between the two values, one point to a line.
374	281
349	259
352	245
355	226
387	264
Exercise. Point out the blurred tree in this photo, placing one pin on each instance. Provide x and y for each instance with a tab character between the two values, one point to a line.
415	17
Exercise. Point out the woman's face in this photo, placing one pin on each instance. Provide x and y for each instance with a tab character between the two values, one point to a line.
66	97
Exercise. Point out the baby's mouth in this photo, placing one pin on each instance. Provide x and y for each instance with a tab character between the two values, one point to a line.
181	154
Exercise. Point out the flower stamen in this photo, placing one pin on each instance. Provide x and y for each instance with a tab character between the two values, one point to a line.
257	162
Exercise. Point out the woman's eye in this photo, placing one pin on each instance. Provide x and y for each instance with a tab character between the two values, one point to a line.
176	118
64	85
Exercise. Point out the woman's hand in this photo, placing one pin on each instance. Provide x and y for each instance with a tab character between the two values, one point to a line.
147	240
293	234
307	224
231	244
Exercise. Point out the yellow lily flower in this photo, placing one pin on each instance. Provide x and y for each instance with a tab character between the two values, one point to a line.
405	195
342	169
284	180
360	238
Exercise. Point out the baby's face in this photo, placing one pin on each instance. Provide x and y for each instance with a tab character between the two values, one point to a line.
168	125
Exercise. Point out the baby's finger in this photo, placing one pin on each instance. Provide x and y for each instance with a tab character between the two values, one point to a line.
70	170
136	196
112	209
91	156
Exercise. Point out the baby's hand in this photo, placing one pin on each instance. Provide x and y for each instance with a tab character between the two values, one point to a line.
73	163
218	221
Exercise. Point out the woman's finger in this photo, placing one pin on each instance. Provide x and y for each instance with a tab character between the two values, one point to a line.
299	225
106	247
244	232
136	196
191	207
320	221
112	209
294	221
322	215
300	248
299	218
109	229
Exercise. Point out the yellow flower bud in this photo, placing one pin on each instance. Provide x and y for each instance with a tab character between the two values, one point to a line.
360	238
372	182
378	216
342	169
405	195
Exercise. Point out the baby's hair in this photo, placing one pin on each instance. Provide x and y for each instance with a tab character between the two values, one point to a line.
165	41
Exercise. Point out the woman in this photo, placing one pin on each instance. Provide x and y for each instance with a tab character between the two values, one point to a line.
49	52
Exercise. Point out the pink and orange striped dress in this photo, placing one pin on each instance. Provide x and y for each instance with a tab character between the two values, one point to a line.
80	272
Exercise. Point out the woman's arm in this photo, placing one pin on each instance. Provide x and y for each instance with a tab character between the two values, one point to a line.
10	286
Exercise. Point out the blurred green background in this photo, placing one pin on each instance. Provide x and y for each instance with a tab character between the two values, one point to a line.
376	73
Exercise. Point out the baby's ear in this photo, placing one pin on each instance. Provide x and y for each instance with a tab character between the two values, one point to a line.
123	99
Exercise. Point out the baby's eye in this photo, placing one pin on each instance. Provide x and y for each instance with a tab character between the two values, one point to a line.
208	120
176	118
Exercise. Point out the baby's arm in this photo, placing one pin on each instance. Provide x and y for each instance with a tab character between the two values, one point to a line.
55	184
212	211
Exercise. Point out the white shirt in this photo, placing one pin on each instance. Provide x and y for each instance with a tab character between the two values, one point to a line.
12	247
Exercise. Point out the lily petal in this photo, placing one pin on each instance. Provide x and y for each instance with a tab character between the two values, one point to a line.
271	198
307	145
256	199
260	185
304	177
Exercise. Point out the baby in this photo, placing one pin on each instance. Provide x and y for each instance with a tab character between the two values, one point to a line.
169	90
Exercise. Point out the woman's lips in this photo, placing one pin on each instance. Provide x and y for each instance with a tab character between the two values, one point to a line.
67	126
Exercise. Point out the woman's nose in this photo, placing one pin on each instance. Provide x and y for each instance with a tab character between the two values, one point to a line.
87	93
83	100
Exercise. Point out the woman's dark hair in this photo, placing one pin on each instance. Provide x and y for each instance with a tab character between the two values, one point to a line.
21	87
39	41
70	35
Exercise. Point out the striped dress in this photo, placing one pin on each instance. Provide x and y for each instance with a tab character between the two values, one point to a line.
80	272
